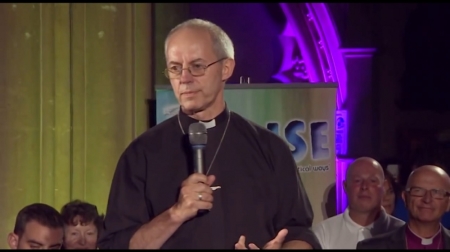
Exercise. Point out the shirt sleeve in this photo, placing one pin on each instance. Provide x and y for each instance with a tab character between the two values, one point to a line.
294	209
320	234
127	208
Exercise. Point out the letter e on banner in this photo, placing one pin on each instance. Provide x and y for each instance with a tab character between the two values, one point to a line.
319	140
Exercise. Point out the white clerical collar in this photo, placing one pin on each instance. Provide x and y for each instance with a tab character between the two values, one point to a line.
210	124
426	241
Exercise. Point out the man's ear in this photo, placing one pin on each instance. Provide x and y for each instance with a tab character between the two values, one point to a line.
344	183
13	240
227	68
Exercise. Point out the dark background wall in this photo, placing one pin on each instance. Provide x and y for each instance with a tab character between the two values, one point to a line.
254	29
408	100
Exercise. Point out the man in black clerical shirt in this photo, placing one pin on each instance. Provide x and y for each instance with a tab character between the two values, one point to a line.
251	189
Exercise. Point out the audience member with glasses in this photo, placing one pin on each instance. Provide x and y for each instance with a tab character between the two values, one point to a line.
427	199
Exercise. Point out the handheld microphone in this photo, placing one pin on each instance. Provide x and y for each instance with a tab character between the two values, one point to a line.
198	138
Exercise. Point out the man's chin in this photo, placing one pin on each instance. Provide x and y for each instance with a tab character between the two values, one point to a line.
364	208
190	108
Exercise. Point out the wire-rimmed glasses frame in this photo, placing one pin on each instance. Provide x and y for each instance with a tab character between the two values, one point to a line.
421	192
195	70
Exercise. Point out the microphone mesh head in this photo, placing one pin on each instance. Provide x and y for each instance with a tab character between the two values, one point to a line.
197	134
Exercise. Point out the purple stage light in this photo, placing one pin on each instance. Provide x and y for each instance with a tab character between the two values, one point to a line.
312	53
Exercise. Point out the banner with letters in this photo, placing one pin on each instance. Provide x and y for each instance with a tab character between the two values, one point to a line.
301	114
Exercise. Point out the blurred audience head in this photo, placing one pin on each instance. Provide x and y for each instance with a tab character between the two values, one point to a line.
391	191
38	226
364	185
82	224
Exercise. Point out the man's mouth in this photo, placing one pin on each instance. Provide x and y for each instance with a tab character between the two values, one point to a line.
188	92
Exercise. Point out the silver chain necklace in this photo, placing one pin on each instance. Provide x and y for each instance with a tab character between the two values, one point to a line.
220	143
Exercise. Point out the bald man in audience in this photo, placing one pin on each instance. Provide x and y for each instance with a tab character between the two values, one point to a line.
427	199
364	216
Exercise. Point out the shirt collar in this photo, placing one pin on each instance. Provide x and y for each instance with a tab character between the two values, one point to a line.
355	226
186	120
424	241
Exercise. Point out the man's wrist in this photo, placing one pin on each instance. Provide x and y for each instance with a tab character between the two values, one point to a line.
174	215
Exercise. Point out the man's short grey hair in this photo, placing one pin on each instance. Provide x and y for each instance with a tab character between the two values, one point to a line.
223	46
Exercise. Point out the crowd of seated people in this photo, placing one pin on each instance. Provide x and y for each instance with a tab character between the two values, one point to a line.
383	213
40	226
426	203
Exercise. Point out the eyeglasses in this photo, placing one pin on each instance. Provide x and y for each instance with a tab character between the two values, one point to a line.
195	70
421	192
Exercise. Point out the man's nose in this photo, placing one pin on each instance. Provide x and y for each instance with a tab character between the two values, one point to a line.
185	75
363	185
427	197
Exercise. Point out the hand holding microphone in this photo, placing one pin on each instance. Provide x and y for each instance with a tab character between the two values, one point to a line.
196	193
